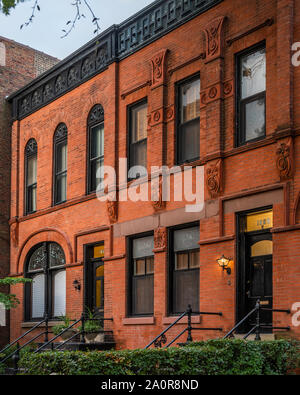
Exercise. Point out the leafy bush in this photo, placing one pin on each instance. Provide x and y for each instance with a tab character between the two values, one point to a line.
56	329
216	357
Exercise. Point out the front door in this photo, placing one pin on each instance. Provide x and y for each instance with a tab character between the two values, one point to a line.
95	280
255	269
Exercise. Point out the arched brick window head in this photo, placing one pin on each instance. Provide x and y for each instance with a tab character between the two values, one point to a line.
30	176
96	148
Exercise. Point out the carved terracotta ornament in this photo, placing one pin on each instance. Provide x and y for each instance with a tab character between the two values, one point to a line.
157	194
284	160
158	63
160	238
112	211
214	39
213	179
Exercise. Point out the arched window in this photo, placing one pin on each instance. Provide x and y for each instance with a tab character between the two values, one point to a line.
96	148
30	176
60	164
46	294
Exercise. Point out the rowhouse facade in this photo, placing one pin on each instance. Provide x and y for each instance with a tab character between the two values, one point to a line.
19	64
182	83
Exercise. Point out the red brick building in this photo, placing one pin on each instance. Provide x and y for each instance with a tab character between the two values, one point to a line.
195	82
19	64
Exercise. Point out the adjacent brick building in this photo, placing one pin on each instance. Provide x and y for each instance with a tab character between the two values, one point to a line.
19	64
199	82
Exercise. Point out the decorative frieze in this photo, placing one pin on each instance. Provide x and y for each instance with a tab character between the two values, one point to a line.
114	44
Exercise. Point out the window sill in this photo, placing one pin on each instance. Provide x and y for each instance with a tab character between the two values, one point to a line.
196	319
138	321
31	324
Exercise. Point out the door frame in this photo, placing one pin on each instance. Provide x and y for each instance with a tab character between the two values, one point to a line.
86	279
240	300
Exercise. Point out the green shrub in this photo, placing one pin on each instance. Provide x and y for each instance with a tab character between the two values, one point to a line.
215	357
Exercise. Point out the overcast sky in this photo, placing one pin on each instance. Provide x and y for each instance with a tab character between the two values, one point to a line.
45	32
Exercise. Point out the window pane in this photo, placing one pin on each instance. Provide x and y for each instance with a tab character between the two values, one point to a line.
255	119
57	256
38	259
59	307
97	141
31	170
61	157
194	259
185	290
139	154
253	73
186	239
38	296
150	265
100	271
190	101
139	267
97	174
189	141
99	299
61	188
139	123
143	295
31	199
142	247
181	261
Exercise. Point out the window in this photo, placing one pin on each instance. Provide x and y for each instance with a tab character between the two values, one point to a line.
46	294
188	120
60	163
138	135
96	148
30	176
142	276
184	270
251	96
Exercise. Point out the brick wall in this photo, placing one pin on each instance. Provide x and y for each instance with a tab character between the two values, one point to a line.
249	175
18	65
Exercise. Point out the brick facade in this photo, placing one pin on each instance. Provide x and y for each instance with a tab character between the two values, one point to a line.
19	64
247	177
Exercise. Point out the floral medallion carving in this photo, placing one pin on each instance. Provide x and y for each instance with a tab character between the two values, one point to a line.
214	39
88	66
160	238
158	63
214	179
284	159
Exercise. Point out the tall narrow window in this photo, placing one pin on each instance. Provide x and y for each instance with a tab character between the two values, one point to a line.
184	270
251	95
142	276
96	148
30	176
46	294
188	120
60	163
138	135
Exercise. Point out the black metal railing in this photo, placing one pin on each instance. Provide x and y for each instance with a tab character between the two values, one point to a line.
258	325
15	355
161	339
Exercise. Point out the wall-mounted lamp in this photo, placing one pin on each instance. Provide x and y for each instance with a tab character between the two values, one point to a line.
224	262
77	285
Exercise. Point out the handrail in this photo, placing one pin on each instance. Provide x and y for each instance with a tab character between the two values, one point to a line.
258	325
24	334
188	312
